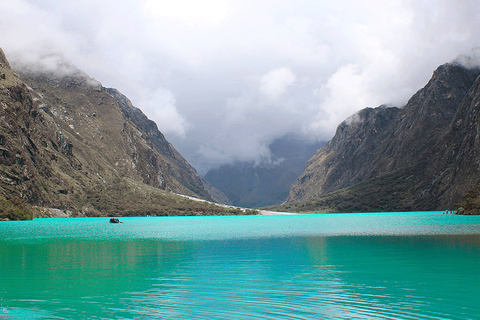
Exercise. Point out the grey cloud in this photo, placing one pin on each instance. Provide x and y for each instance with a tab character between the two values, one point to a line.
222	78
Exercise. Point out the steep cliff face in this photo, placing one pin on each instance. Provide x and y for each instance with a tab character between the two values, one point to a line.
462	152
65	139
410	158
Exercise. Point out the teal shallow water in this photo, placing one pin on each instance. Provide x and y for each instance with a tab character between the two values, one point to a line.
341	266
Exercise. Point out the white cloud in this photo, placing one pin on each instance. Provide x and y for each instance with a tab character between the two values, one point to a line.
276	82
160	105
246	71
344	92
188	11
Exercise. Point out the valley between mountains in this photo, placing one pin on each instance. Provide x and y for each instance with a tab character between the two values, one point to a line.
71	147
68	143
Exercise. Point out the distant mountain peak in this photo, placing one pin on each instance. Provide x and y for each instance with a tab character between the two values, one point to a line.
251	184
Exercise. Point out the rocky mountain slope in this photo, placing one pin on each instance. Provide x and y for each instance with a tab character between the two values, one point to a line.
423	156
67	142
251	185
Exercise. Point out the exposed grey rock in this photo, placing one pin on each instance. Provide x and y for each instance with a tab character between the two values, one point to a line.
422	156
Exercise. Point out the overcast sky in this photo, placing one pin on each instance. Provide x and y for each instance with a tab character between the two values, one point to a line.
222	78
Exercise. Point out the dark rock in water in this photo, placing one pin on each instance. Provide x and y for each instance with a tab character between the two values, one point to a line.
115	220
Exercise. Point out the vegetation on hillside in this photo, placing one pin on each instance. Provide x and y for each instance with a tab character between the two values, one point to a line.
15	209
374	196
124	197
371	196
471	203
127	197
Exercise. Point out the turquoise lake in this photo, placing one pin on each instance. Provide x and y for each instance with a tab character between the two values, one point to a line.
423	265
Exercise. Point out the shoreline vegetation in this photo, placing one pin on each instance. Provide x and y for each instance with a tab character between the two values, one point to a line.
17	209
157	203
127	198
136	199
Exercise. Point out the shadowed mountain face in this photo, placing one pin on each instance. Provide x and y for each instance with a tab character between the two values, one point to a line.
253	185
423	156
67	142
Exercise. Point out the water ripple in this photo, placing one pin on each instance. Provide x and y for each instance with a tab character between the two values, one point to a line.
384	266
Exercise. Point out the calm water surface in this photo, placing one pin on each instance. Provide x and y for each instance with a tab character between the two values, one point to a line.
340	266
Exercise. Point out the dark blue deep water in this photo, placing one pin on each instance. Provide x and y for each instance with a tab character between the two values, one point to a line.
337	266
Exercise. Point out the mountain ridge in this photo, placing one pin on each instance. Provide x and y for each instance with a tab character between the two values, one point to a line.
66	142
396	159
